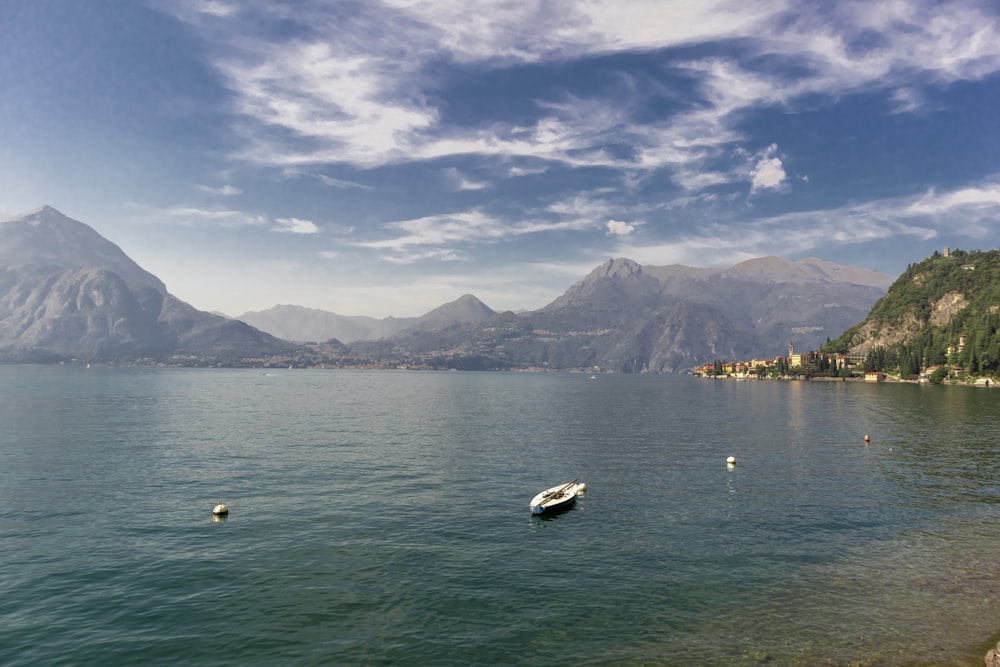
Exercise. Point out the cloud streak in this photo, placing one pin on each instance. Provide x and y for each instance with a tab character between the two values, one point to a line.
295	226
366	89
420	142
966	212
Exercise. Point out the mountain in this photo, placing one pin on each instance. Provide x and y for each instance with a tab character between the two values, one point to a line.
46	237
467	309
668	318
625	317
944	309
309	324
67	292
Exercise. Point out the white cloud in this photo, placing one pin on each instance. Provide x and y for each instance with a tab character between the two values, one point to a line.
224	190
967	212
973	200
532	31
217	216
442	236
768	172
364	89
439	230
295	226
584	205
619	228
907	99
211	7
518	171
225	218
458	182
339	183
970	211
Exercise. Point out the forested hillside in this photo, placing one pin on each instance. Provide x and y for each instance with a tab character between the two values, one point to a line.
944	310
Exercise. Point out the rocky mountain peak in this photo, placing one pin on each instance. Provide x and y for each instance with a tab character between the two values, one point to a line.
616	268
45	236
464	309
67	292
45	214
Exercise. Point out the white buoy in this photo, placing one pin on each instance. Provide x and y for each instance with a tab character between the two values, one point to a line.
220	510
581	488
731	460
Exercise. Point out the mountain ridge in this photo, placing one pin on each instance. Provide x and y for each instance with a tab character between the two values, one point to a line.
42	236
298	323
621	276
67	292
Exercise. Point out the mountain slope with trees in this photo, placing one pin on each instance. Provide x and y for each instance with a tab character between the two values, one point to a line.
943	311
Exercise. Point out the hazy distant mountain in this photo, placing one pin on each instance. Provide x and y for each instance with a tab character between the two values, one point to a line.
46	237
466	309
672	317
67	292
308	324
628	318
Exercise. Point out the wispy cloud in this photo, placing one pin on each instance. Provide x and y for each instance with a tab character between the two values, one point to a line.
217	8
458	182
191	216
654	129
338	183
964	213
225	218
362	88
223	190
295	226
443	236
590	205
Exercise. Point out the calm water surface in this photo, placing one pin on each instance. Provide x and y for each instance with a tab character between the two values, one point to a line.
381	518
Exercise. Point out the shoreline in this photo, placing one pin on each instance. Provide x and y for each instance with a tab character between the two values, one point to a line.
990	650
977	381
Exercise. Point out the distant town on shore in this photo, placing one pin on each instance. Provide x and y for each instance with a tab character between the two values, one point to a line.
832	366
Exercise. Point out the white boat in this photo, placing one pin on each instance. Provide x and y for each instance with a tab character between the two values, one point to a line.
557	498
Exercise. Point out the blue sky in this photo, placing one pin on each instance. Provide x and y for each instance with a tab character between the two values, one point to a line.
382	158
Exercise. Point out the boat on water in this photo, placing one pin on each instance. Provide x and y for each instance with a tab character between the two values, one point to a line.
557	498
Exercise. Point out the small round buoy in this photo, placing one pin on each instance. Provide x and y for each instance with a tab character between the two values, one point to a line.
867	439
731	460
220	510
581	488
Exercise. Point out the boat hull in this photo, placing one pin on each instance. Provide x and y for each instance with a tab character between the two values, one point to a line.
555	499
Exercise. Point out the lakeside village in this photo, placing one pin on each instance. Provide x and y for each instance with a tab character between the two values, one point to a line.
828	366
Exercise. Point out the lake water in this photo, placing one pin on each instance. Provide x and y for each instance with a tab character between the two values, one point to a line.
381	518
